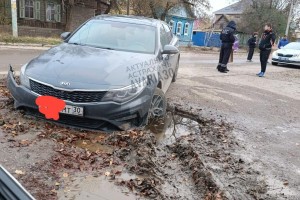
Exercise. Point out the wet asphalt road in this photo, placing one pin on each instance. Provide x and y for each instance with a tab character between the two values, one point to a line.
16	57
264	111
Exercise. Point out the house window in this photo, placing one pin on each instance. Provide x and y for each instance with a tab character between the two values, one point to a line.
50	12
53	12
179	28
29	9
186	28
171	24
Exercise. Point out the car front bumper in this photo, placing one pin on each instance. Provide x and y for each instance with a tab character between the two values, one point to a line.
286	62
101	116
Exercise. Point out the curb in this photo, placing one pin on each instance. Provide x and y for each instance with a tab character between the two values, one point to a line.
25	46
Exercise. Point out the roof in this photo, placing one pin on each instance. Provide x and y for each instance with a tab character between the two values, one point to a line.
236	8
184	10
130	19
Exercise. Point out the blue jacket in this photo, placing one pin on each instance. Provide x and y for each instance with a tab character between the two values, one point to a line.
282	43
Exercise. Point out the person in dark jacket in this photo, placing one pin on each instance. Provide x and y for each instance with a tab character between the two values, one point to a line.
284	41
265	46
252	45
227	38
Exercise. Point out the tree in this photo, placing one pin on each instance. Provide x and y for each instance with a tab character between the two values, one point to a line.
158	9
260	12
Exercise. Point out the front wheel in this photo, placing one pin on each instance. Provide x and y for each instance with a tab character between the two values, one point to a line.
158	107
274	63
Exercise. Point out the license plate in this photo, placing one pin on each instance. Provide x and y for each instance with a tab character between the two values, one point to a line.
73	110
283	59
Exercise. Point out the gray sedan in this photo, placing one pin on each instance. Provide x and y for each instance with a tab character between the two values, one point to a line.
112	73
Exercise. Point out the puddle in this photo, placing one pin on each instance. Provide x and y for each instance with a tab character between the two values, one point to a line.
173	126
94	147
94	144
94	188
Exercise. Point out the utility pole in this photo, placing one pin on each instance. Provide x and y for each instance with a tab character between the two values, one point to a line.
14	18
289	18
128	7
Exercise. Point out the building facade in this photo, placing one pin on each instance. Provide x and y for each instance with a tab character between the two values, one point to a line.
48	17
181	21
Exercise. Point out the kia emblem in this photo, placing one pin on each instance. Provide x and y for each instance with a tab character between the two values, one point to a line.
65	83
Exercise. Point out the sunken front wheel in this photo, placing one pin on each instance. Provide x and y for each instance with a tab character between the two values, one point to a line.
158	105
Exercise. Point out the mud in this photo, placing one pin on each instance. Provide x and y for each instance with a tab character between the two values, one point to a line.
183	156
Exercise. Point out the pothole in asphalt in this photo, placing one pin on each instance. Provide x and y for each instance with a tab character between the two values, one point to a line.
173	126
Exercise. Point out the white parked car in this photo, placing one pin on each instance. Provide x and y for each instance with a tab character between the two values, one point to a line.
290	54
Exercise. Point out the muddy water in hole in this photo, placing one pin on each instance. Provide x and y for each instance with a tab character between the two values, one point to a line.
171	127
166	131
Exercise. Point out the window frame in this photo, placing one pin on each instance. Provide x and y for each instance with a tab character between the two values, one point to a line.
26	6
186	28
179	32
171	26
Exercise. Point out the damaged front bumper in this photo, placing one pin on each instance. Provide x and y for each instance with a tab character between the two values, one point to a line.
100	116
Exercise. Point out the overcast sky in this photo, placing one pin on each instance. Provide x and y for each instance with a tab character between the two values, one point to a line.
218	4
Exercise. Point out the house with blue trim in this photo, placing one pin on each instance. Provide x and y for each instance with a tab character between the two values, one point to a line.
181	21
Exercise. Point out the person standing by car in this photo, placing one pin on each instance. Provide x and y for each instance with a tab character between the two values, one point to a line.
265	46
227	38
252	45
284	41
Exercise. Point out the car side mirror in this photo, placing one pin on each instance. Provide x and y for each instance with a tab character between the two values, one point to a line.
170	49
65	35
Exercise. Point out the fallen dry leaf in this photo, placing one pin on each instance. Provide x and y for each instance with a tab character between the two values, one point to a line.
19	172
285	183
65	175
107	173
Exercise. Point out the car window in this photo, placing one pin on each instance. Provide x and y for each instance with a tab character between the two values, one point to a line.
293	45
169	31
164	36
116	35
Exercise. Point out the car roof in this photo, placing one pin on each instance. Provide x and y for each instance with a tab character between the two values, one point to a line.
130	19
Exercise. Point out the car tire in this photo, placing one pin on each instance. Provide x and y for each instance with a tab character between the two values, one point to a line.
158	106
274	63
176	72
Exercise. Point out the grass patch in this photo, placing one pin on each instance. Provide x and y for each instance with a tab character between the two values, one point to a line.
6	38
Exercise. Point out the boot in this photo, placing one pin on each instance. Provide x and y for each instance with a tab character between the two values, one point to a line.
223	70
219	67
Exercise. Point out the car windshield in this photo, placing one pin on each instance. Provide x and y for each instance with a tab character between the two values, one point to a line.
116	36
293	45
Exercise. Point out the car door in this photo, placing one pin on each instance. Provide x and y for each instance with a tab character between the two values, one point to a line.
169	62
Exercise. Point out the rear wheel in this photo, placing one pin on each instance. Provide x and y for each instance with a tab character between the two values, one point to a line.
274	63
158	107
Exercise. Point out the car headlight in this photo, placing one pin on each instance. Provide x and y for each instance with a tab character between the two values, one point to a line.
124	94
24	80
275	54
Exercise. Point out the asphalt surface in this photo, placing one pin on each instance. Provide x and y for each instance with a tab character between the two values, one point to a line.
264	111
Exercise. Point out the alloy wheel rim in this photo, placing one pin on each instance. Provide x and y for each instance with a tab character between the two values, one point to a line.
157	107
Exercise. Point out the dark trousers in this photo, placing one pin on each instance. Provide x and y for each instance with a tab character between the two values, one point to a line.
250	54
224	56
264	56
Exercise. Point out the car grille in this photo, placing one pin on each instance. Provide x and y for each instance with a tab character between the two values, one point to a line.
285	55
73	96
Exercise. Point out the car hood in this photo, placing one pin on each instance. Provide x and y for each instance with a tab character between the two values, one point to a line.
288	51
83	67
